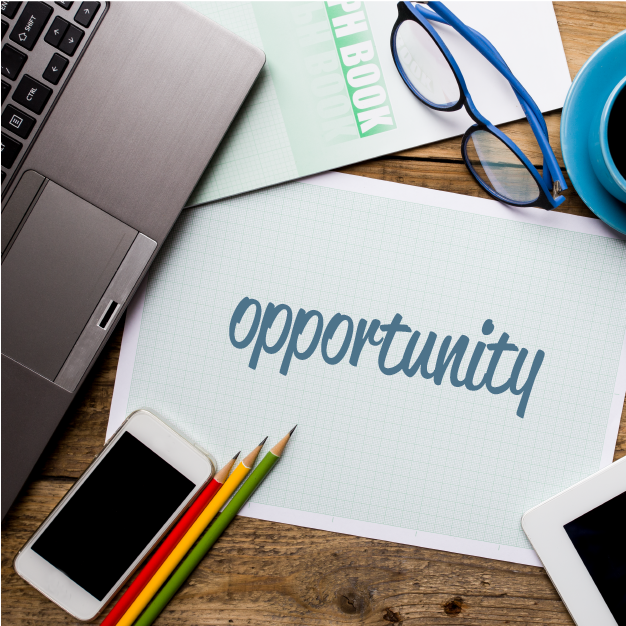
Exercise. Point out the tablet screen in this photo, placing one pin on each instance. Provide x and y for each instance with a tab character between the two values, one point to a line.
599	537
113	516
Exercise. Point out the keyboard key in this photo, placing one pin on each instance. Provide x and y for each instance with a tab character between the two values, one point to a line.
86	13
55	68
10	150
32	94
5	90
17	122
71	39
56	31
5	27
30	24
9	9
12	61
65	5
3	176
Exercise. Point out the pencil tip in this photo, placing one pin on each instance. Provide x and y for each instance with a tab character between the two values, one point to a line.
236	455
264	440
280	446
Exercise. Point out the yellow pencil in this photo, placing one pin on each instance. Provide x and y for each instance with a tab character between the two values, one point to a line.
186	543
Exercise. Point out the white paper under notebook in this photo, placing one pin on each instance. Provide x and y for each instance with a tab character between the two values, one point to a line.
306	115
429	437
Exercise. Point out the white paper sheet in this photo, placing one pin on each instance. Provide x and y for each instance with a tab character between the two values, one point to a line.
552	281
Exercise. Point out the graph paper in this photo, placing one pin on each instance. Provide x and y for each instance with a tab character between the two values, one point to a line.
392	457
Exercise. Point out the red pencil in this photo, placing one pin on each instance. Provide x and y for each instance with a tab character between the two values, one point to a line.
169	543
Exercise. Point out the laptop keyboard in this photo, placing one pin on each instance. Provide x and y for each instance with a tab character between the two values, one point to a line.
41	42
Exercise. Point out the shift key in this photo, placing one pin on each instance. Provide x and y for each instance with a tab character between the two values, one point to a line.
30	23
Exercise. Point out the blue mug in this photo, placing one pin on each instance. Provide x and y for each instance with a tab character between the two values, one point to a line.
599	153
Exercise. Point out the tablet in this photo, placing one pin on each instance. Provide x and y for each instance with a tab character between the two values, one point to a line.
580	537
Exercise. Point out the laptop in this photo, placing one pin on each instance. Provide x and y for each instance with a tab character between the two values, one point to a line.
110	114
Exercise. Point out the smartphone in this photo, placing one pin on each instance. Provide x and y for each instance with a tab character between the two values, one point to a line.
110	520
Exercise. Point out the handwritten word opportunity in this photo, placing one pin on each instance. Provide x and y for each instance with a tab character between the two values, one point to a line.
356	338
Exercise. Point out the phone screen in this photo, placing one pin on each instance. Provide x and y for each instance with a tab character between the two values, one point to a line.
598	537
113	516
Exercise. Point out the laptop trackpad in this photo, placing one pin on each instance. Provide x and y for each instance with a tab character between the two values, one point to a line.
54	276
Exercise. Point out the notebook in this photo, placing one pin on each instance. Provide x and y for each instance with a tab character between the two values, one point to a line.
304	117
450	361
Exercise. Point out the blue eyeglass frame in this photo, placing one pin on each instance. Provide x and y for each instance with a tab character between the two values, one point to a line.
552	182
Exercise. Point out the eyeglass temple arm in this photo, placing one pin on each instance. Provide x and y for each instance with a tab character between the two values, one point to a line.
535	118
521	97
476	39
528	110
485	47
432	16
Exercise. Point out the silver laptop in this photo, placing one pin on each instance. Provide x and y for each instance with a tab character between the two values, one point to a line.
110	114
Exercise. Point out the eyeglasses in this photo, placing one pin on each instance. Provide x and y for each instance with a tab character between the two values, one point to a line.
431	73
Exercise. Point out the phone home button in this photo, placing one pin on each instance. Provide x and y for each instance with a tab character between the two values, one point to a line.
56	586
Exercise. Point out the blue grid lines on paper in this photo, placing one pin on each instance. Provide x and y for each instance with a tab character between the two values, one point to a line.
387	449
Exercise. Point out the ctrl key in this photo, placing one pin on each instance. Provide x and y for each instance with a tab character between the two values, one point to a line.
10	150
32	94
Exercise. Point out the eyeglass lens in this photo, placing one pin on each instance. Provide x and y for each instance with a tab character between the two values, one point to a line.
499	168
425	66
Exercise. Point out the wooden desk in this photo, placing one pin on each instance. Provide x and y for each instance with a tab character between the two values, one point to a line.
268	573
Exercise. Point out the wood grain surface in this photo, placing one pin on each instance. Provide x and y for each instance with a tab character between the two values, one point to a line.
263	573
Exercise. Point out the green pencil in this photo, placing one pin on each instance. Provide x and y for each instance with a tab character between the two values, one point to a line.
214	532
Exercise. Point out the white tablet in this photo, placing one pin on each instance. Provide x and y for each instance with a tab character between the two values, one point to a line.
580	536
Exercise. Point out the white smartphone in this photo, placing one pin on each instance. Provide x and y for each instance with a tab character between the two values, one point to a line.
100	532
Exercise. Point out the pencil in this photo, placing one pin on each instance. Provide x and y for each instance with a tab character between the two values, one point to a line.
213	533
168	544
190	537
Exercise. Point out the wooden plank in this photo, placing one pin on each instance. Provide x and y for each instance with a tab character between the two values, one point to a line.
520	132
585	26
445	176
267	573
